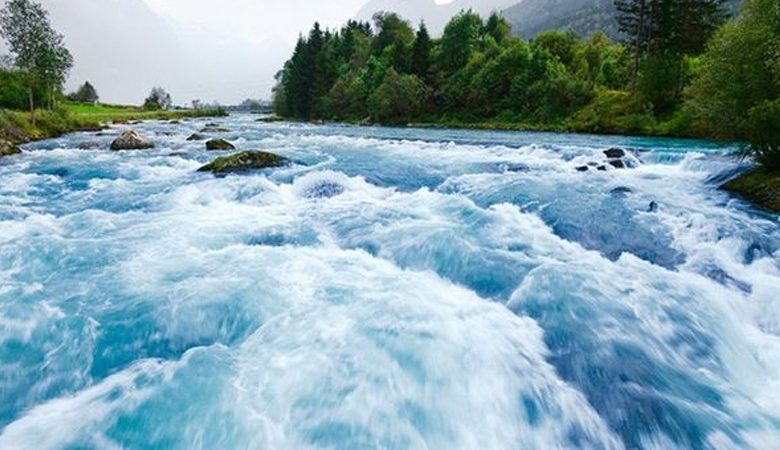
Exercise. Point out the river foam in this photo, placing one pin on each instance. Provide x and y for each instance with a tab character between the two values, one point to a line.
392	288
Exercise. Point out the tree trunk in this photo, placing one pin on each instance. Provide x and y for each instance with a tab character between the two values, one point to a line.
638	45
32	105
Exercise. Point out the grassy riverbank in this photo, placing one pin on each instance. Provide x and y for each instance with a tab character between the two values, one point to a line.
760	187
17	126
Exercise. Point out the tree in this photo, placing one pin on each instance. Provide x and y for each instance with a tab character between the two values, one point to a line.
391	30
763	134
398	98
736	72
85	94
634	21
461	38
39	51
739	71
497	28
421	54
158	99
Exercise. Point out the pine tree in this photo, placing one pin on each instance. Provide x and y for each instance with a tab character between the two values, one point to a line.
421	54
633	21
86	94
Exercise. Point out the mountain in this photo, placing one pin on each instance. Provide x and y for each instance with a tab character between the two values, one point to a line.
435	15
531	17
527	17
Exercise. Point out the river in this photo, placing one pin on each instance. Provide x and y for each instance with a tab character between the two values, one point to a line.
391	288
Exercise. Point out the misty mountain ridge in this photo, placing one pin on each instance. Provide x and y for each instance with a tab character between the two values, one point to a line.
435	15
527	17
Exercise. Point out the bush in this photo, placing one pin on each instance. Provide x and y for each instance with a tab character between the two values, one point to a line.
13	94
398	99
763	132
614	112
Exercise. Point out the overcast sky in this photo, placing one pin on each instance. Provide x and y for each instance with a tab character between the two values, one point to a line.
211	50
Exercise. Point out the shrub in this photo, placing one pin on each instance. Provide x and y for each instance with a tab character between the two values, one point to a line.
763	133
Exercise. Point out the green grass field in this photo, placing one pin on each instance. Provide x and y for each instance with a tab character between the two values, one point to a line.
17	127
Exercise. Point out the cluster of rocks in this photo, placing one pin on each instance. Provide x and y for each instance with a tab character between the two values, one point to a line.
616	157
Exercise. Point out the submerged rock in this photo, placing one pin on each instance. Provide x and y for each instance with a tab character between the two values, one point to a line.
621	191
513	168
219	144
583	168
89	145
196	137
244	161
653	207
7	148
269	119
213	129
325	189
130	140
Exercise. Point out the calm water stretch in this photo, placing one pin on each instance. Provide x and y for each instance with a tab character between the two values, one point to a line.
393	288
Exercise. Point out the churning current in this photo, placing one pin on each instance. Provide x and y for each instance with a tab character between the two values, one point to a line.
391	289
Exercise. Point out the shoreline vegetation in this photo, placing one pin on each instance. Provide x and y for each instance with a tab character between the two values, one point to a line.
684	69
17	128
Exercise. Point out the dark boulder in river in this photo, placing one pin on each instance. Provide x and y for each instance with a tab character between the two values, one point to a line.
219	144
7	148
244	161
196	137
130	140
615	153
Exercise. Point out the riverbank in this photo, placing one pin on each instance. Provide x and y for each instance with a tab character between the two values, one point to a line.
760	187
16	127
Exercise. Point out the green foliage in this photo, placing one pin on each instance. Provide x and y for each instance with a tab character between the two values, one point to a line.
85	94
613	112
763	133
158	99
462	37
477	73
38	50
559	44
347	98
661	81
398	98
14	92
738	72
421	63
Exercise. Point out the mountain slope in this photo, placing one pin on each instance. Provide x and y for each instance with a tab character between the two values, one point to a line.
584	17
531	17
435	16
